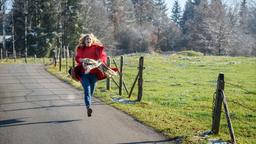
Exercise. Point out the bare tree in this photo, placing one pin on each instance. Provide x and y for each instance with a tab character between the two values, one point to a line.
3	24
242	39
95	19
218	27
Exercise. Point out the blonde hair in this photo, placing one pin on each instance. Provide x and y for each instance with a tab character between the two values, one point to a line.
94	39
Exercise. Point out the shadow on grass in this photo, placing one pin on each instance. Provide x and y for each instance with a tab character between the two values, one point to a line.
123	101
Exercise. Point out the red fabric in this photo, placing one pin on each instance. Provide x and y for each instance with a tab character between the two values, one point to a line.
95	52
76	72
101	75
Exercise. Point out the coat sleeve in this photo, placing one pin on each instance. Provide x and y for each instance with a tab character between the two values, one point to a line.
102	54
104	57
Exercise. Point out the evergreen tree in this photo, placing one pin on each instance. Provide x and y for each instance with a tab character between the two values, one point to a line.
144	11
197	36
176	13
123	19
95	18
219	28
47	25
197	2
71	23
120	14
252	20
243	13
252	28
161	24
243	34
188	14
18	12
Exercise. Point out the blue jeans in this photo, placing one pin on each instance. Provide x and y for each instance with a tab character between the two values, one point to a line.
89	82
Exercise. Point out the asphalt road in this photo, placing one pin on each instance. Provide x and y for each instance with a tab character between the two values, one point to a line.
37	108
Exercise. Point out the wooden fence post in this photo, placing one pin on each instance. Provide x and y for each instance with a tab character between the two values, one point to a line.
108	84
6	55
1	53
218	104
231	130
140	79
66	57
34	58
121	75
14	55
125	87
60	59
73	59
54	57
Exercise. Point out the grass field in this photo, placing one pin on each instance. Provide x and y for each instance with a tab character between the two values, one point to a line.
178	94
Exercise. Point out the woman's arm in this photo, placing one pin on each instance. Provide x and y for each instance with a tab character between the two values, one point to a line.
102	55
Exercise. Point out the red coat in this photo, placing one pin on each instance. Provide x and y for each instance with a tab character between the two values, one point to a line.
95	52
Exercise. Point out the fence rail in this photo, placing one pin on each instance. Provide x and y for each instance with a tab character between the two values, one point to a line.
122	84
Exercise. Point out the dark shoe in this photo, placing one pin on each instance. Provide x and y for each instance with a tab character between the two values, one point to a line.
89	112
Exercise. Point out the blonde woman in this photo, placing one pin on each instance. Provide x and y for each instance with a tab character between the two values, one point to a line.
89	47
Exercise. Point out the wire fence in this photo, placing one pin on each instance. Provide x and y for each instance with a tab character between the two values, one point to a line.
219	99
129	73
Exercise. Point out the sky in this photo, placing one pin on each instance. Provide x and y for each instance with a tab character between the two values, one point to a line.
182	3
170	3
8	5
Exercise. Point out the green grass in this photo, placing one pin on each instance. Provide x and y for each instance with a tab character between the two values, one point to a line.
30	60
178	94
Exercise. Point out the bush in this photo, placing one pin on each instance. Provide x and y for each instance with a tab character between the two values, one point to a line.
190	53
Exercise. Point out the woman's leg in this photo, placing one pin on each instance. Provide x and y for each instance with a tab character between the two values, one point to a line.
89	84
87	89
93	82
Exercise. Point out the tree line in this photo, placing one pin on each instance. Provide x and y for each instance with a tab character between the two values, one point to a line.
41	27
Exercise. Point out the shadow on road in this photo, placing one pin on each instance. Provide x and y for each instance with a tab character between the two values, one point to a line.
176	140
20	122
70	104
11	121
